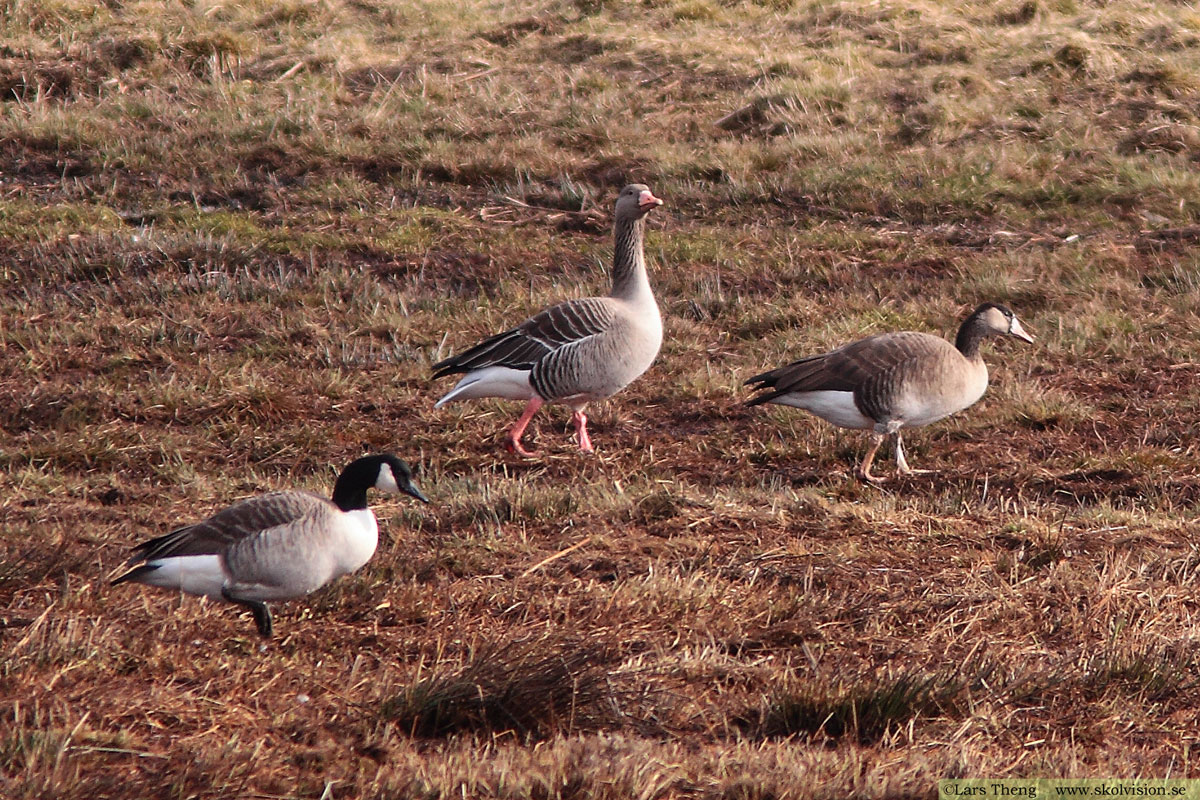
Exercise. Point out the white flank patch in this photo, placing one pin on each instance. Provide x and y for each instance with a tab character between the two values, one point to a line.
503	382
835	407
201	575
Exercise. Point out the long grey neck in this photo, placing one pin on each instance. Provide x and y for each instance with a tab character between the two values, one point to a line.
970	334
629	260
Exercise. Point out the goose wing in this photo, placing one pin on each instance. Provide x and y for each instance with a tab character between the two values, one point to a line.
238	522
850	368
529	342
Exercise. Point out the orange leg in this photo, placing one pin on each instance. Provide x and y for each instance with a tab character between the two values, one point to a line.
585	443
513	440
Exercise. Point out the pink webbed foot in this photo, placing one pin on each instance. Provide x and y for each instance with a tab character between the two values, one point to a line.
513	441
514	446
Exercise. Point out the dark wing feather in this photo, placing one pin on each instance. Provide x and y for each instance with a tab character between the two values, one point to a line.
850	368
508	349
229	526
529	342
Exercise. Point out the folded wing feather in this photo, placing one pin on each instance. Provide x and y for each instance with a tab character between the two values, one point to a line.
529	342
236	523
847	369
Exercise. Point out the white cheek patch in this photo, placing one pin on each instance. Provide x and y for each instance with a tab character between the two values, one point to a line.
386	482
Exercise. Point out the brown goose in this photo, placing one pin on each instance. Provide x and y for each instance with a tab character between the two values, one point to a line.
275	546
892	380
577	351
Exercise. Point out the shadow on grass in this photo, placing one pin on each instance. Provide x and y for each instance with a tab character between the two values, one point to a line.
532	689
868	710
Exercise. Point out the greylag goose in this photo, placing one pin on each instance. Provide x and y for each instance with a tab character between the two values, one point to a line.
276	546
578	351
891	380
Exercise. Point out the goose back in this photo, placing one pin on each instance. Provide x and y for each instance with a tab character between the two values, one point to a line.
242	520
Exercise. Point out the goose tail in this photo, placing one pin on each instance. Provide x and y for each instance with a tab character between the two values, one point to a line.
502	382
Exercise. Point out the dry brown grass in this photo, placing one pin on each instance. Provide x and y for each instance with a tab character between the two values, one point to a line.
234	237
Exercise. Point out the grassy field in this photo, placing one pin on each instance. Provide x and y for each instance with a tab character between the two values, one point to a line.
234	237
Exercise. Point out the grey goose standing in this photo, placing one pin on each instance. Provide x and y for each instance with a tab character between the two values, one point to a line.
275	546
892	380
578	351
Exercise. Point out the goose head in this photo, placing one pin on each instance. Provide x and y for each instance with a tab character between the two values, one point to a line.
384	472
635	201
999	320
396	477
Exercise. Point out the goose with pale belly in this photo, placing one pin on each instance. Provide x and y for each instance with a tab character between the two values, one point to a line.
892	380
576	352
276	546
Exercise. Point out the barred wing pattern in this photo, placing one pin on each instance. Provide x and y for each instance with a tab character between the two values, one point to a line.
525	345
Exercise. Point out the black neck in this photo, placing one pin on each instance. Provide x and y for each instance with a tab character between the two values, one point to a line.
348	499
970	334
350	491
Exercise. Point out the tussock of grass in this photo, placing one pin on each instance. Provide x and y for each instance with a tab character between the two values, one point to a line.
530	689
867	711
1040	408
1155	676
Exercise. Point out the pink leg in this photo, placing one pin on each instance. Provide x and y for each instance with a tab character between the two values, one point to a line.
864	469
513	441
585	442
